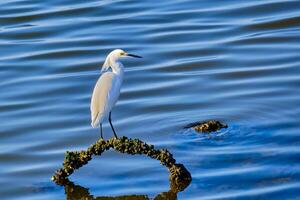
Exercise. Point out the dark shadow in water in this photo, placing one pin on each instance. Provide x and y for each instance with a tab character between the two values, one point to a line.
77	192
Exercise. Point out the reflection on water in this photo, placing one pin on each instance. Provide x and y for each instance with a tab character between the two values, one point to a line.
77	192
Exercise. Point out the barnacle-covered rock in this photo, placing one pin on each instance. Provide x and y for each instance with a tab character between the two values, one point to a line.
76	159
206	126
180	177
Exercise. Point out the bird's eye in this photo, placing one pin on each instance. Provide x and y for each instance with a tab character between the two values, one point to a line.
122	53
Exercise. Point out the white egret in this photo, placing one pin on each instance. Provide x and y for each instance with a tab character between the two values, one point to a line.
107	89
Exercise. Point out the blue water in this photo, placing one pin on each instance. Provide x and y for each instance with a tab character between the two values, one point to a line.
234	61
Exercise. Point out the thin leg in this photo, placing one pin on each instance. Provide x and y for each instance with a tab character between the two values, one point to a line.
101	130
109	119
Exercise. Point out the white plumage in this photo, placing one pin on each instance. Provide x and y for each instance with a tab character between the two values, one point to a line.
105	96
107	89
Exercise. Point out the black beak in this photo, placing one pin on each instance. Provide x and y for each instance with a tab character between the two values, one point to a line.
135	56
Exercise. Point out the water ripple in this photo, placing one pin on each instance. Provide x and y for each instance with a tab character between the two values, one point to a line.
229	60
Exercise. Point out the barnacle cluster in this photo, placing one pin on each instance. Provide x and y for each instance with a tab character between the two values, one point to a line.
75	159
206	126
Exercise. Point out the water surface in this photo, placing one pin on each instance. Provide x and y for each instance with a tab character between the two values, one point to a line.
235	61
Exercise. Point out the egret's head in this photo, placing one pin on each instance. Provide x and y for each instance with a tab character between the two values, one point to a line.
119	53
114	56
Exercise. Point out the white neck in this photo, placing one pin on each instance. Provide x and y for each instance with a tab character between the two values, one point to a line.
117	68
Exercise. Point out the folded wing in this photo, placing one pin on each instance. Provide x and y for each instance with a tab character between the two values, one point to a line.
103	98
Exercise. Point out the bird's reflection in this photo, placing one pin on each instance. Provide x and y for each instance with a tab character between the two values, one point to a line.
77	192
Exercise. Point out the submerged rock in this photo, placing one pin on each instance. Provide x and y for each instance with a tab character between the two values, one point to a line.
206	126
